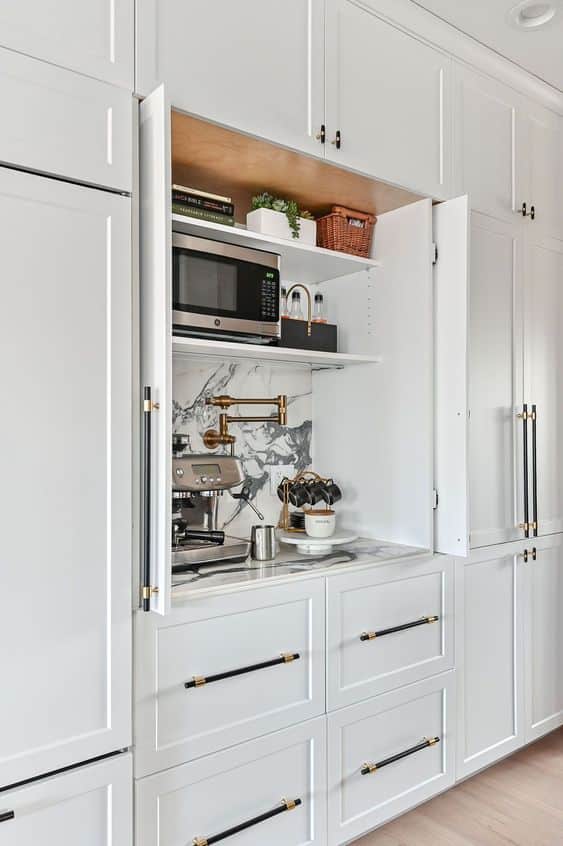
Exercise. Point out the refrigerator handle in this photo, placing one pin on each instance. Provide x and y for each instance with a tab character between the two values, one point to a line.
534	525
146	588
524	417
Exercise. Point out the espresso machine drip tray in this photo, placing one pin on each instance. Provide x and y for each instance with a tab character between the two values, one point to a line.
233	550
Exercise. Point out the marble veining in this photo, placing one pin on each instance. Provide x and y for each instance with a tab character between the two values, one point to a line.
258	445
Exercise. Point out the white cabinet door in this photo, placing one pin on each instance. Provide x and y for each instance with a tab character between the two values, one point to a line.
388	96
485	129
495	382
489	655
56	122
90	806
544	378
544	159
271	791
544	638
94	37
257	66
65	499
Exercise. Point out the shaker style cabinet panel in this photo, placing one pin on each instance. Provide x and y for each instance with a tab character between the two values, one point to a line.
56	122
544	160
387	94
89	806
257	66
543	387
544	638
93	37
489	655
65	370
495	382
270	791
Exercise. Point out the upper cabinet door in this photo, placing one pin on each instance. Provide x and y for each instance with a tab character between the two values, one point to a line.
544	159
65	498
485	145
257	66
94	37
388	98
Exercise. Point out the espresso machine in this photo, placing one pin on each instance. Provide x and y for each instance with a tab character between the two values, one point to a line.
198	484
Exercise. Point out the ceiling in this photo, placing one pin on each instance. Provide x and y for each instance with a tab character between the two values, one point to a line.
538	49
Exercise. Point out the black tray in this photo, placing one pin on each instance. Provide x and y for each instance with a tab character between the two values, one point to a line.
323	337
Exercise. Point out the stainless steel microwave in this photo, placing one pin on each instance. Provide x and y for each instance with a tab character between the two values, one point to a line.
224	291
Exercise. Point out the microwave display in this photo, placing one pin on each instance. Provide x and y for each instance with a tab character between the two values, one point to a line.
224	289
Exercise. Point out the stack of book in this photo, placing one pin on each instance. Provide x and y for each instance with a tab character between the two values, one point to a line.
191	202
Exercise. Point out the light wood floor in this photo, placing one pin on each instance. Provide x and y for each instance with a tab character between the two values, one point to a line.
517	802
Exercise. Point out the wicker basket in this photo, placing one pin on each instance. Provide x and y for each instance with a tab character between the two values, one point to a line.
346	230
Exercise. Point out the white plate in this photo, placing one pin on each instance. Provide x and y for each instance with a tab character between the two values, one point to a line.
317	546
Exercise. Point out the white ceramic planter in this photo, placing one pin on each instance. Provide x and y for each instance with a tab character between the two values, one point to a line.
274	223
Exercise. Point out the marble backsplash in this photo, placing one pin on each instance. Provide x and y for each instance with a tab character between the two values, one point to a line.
258	445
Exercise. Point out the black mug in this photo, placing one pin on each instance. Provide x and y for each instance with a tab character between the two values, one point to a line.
332	492
299	495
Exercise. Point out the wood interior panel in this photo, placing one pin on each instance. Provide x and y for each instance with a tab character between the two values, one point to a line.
223	161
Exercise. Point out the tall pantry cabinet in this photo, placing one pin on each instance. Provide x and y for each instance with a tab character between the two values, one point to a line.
508	631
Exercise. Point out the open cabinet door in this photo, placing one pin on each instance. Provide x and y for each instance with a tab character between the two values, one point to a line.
156	347
451	517
373	426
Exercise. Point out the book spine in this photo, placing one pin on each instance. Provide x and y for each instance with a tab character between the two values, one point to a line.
203	203
202	214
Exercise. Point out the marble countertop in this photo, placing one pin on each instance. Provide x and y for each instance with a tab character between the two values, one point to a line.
288	563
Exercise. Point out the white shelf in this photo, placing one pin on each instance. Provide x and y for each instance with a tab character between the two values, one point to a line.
299	262
226	349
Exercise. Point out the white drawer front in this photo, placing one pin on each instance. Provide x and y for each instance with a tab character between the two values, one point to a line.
233	788
89	806
372	732
56	122
227	636
410	610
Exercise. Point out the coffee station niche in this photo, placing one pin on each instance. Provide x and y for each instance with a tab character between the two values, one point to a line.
239	425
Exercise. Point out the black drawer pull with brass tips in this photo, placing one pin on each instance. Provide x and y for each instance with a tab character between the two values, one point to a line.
286	805
285	658
6	816
424	744
422	622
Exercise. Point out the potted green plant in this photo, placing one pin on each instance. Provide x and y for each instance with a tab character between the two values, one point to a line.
281	218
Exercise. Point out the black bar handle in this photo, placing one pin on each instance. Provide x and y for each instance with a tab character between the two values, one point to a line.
285	805
147	438
381	632
371	768
285	658
6	816
534	472
526	524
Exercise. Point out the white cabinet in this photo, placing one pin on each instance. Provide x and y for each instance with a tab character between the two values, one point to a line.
489	655
388	754
257	66
65	369
221	670
387	95
543	144
271	790
90	806
56	122
544	637
388	627
93	37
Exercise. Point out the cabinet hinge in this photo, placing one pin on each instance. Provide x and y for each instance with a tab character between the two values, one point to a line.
434	252
435	499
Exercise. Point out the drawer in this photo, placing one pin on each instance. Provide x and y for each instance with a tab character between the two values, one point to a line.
248	791
89	806
388	627
389	754
211	674
57	122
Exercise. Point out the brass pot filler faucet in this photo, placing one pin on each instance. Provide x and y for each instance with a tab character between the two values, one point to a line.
213	438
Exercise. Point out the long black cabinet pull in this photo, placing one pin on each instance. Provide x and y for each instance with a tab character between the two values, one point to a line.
422	622
534	472
6	816
146	591
371	768
526	524
285	658
286	805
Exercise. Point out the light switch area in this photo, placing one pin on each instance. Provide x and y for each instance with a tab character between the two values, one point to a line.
278	472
